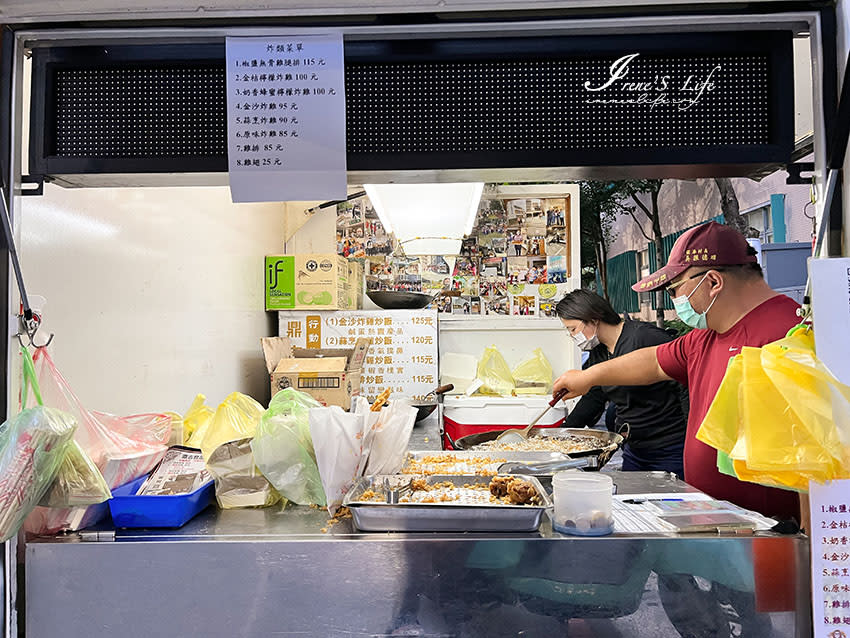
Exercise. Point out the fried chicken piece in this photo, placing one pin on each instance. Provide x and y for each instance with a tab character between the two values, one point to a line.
371	495
521	492
419	485
499	485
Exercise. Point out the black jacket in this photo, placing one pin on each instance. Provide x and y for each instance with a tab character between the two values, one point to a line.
654	412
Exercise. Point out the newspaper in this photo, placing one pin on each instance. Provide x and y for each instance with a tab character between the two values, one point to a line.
181	471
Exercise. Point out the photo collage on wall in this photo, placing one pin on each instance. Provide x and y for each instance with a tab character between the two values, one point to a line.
515	261
359	232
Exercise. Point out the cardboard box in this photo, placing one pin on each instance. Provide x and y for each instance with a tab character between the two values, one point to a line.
331	376
306	282
356	275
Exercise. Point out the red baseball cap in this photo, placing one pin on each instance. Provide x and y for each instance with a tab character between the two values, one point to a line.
710	244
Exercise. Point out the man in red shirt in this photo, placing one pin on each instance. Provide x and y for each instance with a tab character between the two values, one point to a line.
717	287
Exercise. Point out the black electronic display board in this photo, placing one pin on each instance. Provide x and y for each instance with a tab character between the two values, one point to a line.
438	103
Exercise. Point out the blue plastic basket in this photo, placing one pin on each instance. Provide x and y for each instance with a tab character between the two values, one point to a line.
131	510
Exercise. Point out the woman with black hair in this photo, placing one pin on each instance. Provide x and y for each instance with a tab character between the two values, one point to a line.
654	414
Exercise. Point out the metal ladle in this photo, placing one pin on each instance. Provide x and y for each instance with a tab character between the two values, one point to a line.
518	435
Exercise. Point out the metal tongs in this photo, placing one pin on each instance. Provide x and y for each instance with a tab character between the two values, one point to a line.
548	467
393	493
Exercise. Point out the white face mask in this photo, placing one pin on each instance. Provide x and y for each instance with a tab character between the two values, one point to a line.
584	343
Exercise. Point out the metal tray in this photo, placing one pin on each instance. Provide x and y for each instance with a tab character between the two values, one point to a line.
372	516
490	468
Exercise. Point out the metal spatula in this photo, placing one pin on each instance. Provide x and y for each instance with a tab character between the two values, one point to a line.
518	435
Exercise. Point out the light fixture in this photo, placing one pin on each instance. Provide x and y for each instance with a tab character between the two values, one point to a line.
427	219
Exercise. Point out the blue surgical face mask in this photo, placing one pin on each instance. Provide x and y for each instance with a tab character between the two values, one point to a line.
686	311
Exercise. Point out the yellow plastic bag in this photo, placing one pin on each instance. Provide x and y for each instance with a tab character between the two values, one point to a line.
236	418
226	447
721	425
494	373
820	400
781	416
776	436
534	375
778	447
196	421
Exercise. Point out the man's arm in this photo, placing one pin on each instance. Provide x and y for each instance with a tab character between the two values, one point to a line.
636	368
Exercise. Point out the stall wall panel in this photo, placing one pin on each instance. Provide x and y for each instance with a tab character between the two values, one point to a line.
154	294
842	12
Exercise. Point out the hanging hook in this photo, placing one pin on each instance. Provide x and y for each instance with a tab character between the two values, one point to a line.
29	327
805	208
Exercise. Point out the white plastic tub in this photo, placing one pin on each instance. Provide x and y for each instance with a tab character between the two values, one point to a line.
464	415
583	503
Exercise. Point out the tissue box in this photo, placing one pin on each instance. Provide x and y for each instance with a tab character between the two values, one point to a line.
307	282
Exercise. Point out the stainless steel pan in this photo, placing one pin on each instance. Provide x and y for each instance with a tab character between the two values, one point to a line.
609	442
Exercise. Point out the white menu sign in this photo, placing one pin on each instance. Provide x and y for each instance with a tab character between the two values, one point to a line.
402	355
286	118
830	513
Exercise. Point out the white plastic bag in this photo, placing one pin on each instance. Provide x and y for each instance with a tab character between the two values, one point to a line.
338	443
391	436
368	418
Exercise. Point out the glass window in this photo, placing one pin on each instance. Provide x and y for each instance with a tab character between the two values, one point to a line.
759	218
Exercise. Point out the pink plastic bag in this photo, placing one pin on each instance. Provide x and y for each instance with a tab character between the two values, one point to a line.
123	448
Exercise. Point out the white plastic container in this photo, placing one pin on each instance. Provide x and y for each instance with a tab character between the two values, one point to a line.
459	370
463	415
507	411
582	503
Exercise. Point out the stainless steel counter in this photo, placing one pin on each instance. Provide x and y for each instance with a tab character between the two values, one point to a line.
274	572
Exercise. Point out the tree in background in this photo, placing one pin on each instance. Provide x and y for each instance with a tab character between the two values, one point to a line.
601	202
598	212
641	203
731	210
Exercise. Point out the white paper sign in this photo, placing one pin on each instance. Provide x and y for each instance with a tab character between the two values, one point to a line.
831	314
286	118
403	353
830	534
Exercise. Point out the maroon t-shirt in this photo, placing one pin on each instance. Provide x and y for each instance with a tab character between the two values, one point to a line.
699	360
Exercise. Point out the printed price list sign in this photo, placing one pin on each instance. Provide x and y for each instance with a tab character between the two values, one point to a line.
286	118
402	355
830	513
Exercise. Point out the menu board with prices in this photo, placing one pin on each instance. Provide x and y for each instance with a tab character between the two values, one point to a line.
402	355
286	118
830	534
